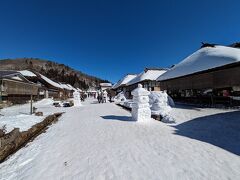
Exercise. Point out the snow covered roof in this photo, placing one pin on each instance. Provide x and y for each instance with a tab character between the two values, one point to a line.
50	81
105	84
6	73
71	87
65	86
147	74
79	90
203	59
124	80
27	73
14	75
16	78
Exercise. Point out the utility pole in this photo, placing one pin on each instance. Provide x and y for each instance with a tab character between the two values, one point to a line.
31	106
1	88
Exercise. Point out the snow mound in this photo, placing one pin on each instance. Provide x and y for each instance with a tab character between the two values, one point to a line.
161	104
203	59
120	97
128	103
44	102
21	121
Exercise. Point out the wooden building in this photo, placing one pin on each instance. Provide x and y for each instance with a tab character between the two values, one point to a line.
49	88
105	86
148	79
15	88
121	85
208	76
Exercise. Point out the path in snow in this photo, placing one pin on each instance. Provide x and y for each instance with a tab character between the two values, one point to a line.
99	141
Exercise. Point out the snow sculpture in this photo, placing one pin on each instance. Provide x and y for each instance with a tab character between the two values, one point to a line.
120	97
161	105
140	108
76	98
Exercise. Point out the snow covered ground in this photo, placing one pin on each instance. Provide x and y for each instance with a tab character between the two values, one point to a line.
19	116
100	141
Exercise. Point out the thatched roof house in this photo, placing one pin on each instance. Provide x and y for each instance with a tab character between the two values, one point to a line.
14	87
210	69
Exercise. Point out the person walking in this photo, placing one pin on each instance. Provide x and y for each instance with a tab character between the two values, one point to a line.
105	96
99	98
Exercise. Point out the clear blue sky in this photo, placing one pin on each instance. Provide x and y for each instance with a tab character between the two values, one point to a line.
110	38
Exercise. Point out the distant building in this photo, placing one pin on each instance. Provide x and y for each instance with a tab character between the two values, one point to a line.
48	88
121	85
15	88
148	79
105	86
67	90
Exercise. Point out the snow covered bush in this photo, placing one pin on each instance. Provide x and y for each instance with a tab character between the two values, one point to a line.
161	104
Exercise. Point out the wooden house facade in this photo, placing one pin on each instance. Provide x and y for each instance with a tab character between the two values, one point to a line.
15	88
121	85
48	88
148	79
219	84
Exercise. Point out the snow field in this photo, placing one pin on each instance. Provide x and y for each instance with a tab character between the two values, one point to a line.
100	141
19	116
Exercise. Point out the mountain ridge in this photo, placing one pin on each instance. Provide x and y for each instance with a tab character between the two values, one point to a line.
53	70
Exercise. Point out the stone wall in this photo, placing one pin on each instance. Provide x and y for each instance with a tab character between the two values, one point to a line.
14	140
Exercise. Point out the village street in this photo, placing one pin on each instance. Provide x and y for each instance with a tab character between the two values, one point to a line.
99	141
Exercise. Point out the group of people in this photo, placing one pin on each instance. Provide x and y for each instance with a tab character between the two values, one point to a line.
83	96
102	97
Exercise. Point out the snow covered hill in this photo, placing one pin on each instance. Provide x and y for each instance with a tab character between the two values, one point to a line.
53	70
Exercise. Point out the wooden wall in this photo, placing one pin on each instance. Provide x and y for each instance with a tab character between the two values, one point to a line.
220	78
11	87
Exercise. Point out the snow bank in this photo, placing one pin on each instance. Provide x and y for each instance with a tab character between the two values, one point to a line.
122	100
161	104
128	103
44	102
120	97
21	121
18	116
203	59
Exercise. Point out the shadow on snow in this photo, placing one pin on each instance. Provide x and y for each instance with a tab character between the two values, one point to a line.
222	130
118	118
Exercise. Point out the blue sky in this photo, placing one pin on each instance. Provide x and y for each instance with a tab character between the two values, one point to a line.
110	38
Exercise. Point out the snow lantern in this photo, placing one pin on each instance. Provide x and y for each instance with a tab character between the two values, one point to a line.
140	108
76	98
